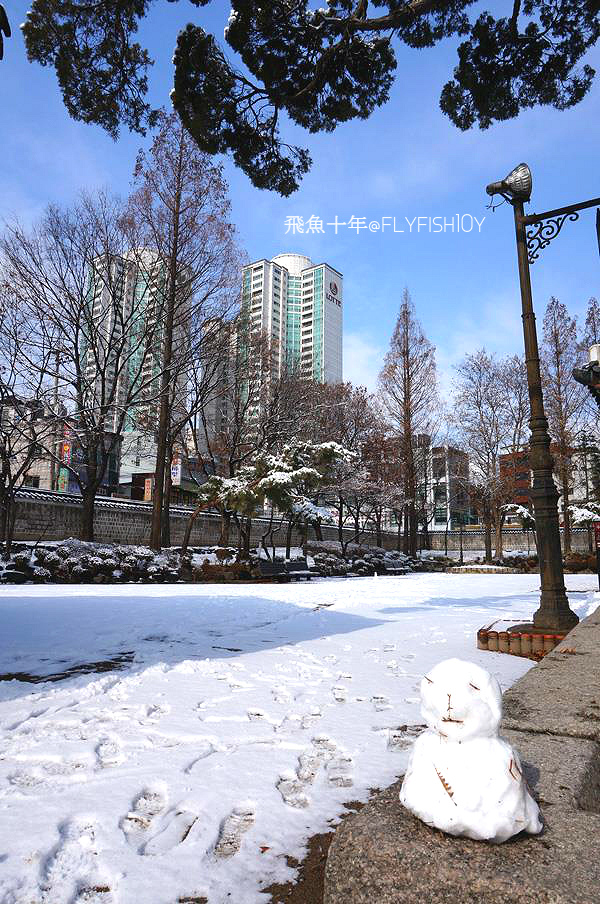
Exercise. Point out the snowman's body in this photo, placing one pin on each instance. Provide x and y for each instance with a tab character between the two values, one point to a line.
462	777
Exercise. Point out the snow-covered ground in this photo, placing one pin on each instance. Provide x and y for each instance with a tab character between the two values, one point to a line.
248	715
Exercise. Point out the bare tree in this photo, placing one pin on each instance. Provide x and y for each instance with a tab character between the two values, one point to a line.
408	385
77	283
382	460
480	417
591	333
565	398
26	426
347	415
181	209
512	381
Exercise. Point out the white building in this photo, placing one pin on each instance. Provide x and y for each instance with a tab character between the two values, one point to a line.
299	306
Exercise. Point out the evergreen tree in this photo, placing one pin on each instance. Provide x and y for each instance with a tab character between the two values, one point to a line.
321	67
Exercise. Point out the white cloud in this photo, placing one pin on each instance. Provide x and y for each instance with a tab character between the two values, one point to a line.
363	360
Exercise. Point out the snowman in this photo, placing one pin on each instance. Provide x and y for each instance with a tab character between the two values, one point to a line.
462	777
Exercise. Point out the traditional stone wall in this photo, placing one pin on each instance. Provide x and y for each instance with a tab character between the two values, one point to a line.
50	518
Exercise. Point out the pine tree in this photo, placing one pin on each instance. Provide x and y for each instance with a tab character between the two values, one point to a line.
317	67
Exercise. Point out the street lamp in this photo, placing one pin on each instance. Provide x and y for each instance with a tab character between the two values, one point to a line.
554	612
589	375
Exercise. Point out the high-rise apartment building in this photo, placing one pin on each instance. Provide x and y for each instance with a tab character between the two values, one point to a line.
298	305
123	359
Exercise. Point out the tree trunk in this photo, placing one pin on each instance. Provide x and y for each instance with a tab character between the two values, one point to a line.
566	515
379	536
225	528
406	544
288	538
166	510
341	524
5	538
247	530
412	540
399	536
425	532
488	539
188	531
165	380
318	531
267	533
499	545
86	531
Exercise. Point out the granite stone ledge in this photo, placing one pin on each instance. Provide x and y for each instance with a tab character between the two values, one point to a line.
561	695
384	855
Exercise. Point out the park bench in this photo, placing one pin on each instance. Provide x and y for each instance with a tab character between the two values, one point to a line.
298	569
284	571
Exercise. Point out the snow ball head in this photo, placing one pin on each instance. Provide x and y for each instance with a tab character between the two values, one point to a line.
461	700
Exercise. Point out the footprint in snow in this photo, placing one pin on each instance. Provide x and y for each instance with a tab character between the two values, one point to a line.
340	693
33	778
309	764
175	832
147	806
281	695
403	736
291	789
309	719
339	771
27	780
290	722
34	714
207	749
73	872
233	829
156	711
324	746
109	752
94	894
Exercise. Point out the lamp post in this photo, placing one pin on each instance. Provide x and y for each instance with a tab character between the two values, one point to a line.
554	612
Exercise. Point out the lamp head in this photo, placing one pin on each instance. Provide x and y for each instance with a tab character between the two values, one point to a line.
517	185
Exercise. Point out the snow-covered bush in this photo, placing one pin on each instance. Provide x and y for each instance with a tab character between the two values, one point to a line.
519	513
584	516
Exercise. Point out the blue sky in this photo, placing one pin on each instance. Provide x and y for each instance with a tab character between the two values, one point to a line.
407	160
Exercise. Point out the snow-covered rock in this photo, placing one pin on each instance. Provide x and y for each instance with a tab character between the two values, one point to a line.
462	777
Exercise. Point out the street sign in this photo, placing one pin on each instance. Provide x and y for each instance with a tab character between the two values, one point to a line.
176	472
